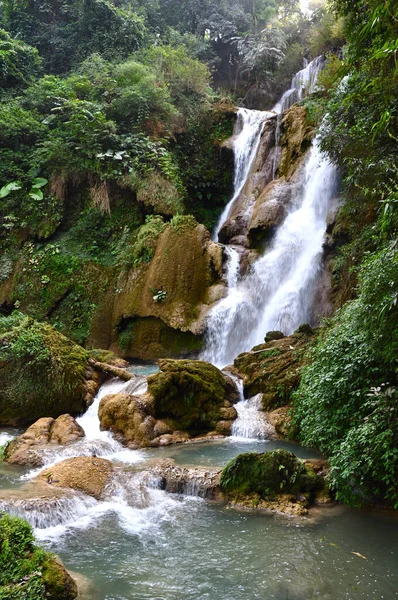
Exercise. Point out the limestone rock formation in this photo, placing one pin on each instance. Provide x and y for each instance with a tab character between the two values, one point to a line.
269	211
273	368
296	138
25	449
86	474
193	481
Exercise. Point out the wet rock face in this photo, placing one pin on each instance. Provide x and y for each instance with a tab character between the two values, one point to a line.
273	368
185	265
24	450
296	138
129	417
86	474
269	211
235	227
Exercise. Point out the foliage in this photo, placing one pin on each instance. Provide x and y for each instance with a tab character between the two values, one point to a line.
347	403
19	63
142	249
66	32
20	561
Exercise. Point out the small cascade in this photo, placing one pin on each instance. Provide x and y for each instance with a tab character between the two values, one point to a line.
251	423
96	442
303	83
248	128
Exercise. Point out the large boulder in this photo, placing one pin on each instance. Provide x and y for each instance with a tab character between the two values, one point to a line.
128	417
186	398
86	474
192	481
25	449
268	474
273	368
42	373
191	392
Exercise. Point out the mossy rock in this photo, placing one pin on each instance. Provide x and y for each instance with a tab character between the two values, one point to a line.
273	368
296	139
41	372
191	392
26	571
268	474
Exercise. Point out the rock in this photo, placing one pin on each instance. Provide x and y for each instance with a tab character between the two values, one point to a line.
129	417
268	475
280	419
185	264
162	428
65	430
223	427
273	368
86	474
235	227
296	138
197	481
41	372
22	560
191	392
228	413
269	211
25	449
274	335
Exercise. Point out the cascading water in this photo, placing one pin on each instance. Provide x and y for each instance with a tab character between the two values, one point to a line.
277	293
303	83
247	133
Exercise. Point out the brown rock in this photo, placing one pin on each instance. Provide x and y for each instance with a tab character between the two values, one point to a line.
228	414
269	212
224	427
65	430
25	449
127	416
86	474
280	419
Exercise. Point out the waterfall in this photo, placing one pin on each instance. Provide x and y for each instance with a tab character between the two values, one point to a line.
247	134
251	423
278	291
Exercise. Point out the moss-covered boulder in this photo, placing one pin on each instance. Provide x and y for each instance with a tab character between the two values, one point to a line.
268	474
191	392
273	368
42	373
26	571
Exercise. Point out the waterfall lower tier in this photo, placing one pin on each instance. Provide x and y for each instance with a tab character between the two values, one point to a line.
278	291
251	423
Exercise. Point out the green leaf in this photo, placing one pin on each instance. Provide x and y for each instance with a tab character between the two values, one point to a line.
39	182
10	187
36	195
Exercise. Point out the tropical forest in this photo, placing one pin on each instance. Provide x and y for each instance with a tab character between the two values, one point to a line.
198	299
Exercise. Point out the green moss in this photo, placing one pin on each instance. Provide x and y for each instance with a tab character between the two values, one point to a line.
267	474
41	371
189	391
27	572
142	250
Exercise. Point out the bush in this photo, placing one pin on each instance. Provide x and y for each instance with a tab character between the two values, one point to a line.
347	402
